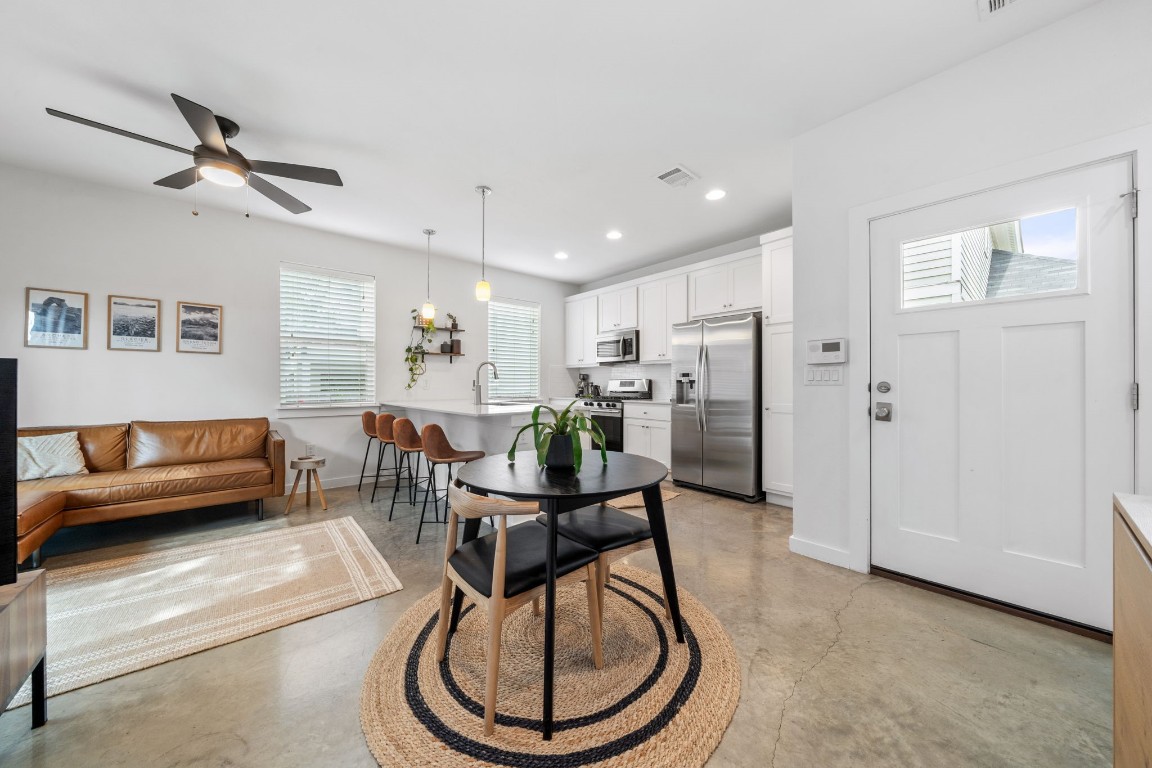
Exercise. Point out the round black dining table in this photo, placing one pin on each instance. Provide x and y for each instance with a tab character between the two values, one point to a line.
560	491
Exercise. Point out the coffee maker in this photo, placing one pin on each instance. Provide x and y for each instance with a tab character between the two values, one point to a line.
584	388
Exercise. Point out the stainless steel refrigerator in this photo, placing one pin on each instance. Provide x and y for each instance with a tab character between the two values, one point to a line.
716	408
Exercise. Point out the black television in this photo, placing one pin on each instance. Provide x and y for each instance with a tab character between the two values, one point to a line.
7	471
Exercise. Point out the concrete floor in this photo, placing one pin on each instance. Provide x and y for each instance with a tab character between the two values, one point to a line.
840	669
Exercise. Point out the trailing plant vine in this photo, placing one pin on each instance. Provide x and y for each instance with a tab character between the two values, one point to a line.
423	332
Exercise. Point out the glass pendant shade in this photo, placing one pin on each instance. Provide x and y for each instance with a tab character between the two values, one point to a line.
428	311
483	291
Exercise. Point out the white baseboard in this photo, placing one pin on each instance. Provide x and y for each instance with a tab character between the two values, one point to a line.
779	499
822	552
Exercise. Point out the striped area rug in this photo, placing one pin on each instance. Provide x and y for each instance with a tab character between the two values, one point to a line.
118	616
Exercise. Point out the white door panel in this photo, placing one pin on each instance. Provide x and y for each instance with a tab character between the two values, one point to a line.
1009	359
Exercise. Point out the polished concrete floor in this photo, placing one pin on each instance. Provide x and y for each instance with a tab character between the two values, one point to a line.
840	669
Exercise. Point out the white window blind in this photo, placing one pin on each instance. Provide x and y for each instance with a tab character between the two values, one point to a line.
514	346
327	337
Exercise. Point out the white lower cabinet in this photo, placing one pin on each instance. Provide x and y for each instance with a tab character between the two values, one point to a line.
648	432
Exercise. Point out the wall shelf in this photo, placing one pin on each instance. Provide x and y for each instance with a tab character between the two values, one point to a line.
451	333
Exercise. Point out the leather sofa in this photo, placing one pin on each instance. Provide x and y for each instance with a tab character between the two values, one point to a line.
150	467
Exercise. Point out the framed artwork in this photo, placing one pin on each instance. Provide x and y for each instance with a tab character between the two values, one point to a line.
201	327
55	318
133	323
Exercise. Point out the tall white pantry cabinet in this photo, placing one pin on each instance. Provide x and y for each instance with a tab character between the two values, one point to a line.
776	358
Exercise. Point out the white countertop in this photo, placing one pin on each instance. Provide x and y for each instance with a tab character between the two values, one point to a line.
461	407
1137	512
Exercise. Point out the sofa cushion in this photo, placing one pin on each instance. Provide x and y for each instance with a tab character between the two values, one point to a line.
105	446
49	456
34	507
166	443
102	488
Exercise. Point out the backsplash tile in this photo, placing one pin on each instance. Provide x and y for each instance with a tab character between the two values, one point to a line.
660	373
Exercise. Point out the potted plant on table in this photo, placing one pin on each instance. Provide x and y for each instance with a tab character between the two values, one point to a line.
557	440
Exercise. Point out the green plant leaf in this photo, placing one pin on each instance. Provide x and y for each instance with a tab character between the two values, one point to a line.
512	450
542	449
577	450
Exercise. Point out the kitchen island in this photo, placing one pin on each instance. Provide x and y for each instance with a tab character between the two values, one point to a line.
489	428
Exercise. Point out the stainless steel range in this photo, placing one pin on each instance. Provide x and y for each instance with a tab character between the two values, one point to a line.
608	412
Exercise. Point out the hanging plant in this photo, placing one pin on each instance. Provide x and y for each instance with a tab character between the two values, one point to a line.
422	333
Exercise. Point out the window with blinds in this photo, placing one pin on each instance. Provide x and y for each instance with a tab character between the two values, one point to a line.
327	338
514	346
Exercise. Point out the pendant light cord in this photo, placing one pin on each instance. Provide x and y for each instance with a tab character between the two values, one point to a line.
428	266
483	231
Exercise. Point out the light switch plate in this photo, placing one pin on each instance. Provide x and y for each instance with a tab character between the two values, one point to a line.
824	376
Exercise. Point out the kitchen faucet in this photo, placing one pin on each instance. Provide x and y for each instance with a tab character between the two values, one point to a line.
477	387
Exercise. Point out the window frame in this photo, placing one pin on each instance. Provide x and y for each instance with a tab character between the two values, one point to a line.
494	384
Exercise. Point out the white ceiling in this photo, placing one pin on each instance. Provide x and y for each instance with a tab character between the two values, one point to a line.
567	110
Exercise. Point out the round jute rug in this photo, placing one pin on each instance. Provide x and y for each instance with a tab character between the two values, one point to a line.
655	703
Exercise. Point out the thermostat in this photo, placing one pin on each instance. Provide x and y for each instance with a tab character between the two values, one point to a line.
827	351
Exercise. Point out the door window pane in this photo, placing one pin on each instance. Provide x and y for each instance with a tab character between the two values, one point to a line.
1021	257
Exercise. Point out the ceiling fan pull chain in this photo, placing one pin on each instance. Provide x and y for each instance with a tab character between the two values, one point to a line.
196	194
247	187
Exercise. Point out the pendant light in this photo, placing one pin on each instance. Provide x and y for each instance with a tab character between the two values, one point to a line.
483	289
428	311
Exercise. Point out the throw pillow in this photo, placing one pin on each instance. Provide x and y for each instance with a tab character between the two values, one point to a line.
49	456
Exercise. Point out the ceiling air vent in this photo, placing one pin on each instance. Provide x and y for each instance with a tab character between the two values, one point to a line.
677	176
990	7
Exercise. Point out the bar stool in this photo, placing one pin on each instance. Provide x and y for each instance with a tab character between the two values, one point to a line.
407	442
368	424
384	433
437	451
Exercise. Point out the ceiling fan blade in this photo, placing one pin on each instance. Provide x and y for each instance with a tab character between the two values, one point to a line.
301	172
203	123
118	131
179	180
276	195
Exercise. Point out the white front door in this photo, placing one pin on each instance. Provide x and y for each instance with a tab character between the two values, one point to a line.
1002	330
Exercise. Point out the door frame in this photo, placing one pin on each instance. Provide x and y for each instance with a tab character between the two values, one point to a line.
858	555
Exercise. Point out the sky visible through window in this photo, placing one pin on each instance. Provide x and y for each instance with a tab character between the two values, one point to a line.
1050	234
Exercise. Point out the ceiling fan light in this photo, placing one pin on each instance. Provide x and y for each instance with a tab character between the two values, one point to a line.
483	291
428	311
224	176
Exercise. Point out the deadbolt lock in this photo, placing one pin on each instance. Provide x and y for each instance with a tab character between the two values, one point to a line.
884	387
883	411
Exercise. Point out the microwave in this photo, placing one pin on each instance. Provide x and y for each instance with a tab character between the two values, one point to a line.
617	347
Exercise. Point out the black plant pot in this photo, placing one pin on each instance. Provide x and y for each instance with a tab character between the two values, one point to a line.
560	453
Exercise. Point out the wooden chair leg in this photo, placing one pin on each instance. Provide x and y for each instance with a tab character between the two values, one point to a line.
320	489
594	616
307	487
536	606
292	496
446	590
492	675
601	580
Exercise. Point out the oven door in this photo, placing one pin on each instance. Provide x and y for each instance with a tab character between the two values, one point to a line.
612	425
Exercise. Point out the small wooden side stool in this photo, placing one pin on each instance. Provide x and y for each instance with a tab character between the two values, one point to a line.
307	466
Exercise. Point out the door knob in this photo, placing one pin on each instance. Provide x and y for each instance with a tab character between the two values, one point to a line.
883	411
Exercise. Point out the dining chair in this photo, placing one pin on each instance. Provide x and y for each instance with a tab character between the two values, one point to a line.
438	451
504	571
613	535
407	442
368	425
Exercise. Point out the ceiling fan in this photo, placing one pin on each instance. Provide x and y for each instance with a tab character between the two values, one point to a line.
219	163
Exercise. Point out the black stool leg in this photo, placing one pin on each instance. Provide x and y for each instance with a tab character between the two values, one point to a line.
400	459
379	460
364	464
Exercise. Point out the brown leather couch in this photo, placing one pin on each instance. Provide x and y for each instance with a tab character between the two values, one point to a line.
149	467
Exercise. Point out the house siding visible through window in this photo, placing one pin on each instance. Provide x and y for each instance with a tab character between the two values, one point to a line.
327	338
514	346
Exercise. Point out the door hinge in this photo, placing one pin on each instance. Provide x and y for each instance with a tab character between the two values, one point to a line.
1133	201
1135	396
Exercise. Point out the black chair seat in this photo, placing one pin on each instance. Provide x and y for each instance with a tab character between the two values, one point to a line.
524	569
601	528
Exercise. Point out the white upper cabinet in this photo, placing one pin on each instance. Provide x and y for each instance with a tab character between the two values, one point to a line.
580	332
618	309
733	286
662	303
778	277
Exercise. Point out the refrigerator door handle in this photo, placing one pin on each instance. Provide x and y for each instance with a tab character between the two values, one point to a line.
696	376
702	395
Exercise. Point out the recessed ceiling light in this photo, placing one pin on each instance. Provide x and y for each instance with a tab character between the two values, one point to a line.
615	235
561	255
715	194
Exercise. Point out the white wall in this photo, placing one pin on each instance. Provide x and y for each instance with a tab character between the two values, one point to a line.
1083	78
71	235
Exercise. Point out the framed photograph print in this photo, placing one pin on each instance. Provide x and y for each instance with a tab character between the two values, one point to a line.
201	327
55	318
133	323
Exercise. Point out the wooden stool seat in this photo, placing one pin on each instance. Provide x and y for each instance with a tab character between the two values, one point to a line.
307	466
